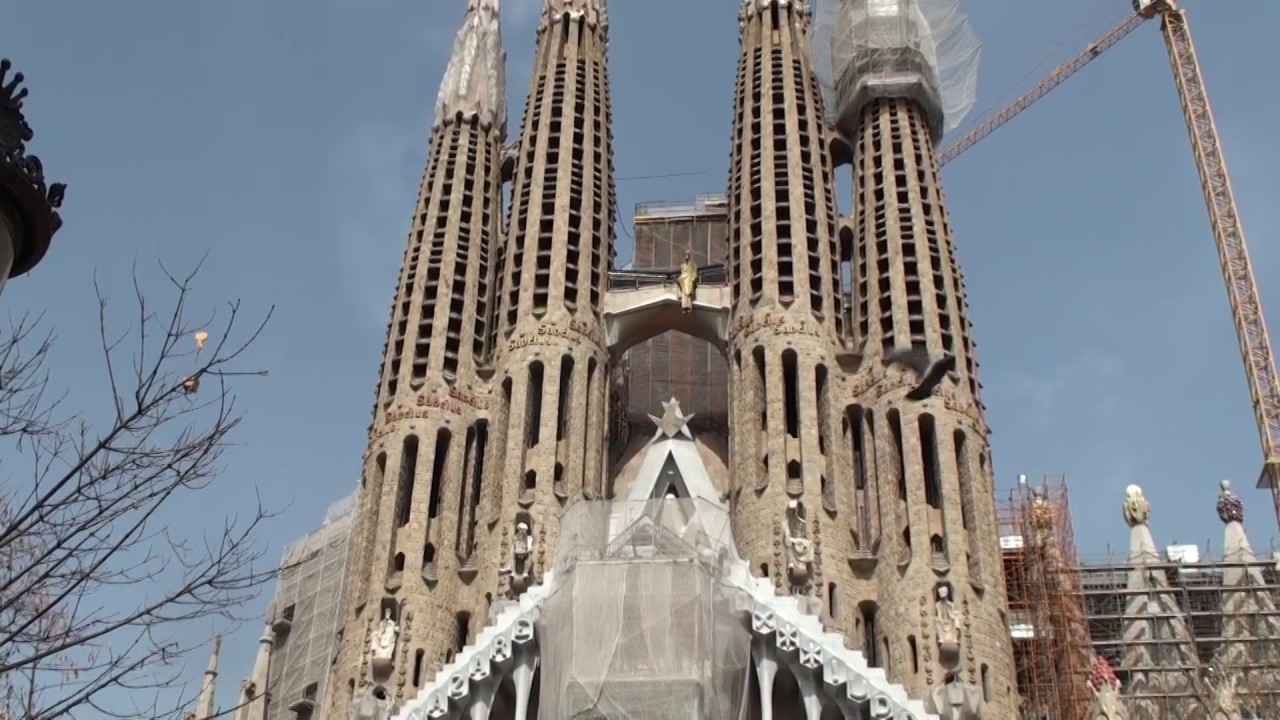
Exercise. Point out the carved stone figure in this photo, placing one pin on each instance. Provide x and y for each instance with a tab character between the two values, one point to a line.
1106	704
955	700
1137	511
383	643
947	624
688	282
799	547
521	550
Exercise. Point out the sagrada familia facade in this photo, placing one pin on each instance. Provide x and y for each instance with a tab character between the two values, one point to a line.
834	554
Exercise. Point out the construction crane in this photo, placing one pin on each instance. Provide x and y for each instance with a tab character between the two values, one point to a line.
1224	216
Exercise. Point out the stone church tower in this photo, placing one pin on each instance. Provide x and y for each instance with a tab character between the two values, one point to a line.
862	569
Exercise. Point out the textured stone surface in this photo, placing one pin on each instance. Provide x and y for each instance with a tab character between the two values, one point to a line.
514	351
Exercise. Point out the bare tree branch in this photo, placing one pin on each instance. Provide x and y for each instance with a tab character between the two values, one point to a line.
96	584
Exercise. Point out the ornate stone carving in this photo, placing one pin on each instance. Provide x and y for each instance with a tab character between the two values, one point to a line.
382	642
1106	704
519	573
1041	516
1230	507
688	282
799	548
955	700
28	203
947	625
1137	511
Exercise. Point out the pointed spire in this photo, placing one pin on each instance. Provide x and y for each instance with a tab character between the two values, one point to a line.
751	8
208	688
475	81
253	690
1248	609
595	13
1152	614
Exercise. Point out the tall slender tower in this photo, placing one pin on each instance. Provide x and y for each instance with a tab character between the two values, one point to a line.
410	588
927	507
551	354
787	317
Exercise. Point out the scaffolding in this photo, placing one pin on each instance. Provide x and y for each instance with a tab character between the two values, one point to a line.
1064	612
305	611
1046	608
1216	612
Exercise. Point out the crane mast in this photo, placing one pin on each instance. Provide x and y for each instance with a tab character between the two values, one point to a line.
1228	235
1224	216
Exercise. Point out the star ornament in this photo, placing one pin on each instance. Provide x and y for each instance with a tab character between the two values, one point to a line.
672	422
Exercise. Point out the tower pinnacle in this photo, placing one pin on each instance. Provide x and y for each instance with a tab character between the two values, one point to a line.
595	13
474	84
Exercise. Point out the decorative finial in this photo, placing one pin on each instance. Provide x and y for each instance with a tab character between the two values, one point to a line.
1103	676
22	183
1137	511
1230	507
1041	512
672	422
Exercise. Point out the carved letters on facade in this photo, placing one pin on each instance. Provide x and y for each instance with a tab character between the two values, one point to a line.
777	325
877	382
547	334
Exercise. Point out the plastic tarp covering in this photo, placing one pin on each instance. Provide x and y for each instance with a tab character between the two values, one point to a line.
642	622
876	48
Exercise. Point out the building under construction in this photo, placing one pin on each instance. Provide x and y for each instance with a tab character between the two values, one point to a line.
1187	636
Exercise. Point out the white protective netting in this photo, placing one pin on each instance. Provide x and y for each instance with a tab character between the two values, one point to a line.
642	622
921	49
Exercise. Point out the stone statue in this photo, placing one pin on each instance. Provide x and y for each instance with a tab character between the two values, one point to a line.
688	282
1230	507
383	642
798	546
1106	704
1041	515
947	624
521	549
1137	511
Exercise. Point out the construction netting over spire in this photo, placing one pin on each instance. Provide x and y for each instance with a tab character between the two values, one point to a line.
921	49
475	81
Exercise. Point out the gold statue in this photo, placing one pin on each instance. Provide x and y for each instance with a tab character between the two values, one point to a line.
688	282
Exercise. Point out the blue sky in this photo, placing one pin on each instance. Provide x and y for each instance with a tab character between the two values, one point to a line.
288	138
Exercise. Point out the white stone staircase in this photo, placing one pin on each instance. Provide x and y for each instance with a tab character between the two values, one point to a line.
839	674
